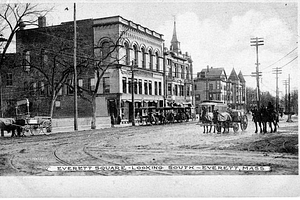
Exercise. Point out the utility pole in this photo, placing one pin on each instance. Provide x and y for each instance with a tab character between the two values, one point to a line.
285	83
132	91
257	42
289	101
277	71
75	74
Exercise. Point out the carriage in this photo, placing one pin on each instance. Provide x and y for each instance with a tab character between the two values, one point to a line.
24	123
163	115
238	118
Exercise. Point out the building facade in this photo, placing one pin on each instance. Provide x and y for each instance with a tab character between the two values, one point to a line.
178	72
213	84
45	55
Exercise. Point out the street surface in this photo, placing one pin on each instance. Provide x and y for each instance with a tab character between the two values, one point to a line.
176	144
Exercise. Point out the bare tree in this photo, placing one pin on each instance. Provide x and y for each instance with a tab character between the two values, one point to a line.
106	56
14	17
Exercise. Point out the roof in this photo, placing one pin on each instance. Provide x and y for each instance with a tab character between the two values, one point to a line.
214	72
233	76
241	77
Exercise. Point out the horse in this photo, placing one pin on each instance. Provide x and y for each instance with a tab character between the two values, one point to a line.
273	118
207	119
256	118
11	125
222	120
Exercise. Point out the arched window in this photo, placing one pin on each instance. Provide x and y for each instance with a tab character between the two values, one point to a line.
127	49
104	52
150	60
143	58
157	61
135	49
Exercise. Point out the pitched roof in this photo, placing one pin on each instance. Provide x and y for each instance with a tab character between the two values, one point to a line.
233	76
213	72
241	77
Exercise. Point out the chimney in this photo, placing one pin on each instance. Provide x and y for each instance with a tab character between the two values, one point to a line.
207	68
42	21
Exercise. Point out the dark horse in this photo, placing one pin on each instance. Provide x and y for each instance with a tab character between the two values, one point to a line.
12	126
256	118
263	117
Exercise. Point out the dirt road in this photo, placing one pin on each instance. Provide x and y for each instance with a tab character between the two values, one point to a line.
179	144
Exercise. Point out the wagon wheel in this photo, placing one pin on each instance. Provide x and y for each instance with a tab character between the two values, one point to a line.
235	127
45	127
244	122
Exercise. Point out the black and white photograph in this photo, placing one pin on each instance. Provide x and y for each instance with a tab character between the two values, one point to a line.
159	98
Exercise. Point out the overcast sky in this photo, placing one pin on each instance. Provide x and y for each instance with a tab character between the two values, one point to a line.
213	33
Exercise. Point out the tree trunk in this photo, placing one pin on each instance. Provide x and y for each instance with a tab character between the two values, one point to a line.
93	123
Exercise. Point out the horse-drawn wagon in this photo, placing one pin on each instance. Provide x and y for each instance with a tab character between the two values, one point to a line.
24	123
218	115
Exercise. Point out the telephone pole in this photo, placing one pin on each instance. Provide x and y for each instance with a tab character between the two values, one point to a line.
289	101
75	74
285	83
277	71
257	42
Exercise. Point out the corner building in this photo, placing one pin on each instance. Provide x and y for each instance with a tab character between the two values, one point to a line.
178	74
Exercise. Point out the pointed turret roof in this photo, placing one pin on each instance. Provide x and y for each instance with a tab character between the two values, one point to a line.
233	76
241	77
175	44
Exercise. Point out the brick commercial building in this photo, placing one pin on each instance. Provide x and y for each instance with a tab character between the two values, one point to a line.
44	72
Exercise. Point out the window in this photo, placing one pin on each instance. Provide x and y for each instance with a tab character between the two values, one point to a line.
127	49
146	86
195	87
34	88
9	79
176	71
188	73
159	88
129	85
169	89
182	72
140	86
92	84
170	72
135	86
150	60
80	85
155	88
105	52
157	61
70	89
188	90
106	85
60	92
218	85
176	90
135	49
211	86
143	58
150	87
124	84
181	90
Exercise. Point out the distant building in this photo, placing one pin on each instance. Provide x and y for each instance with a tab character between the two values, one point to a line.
179	74
213	84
